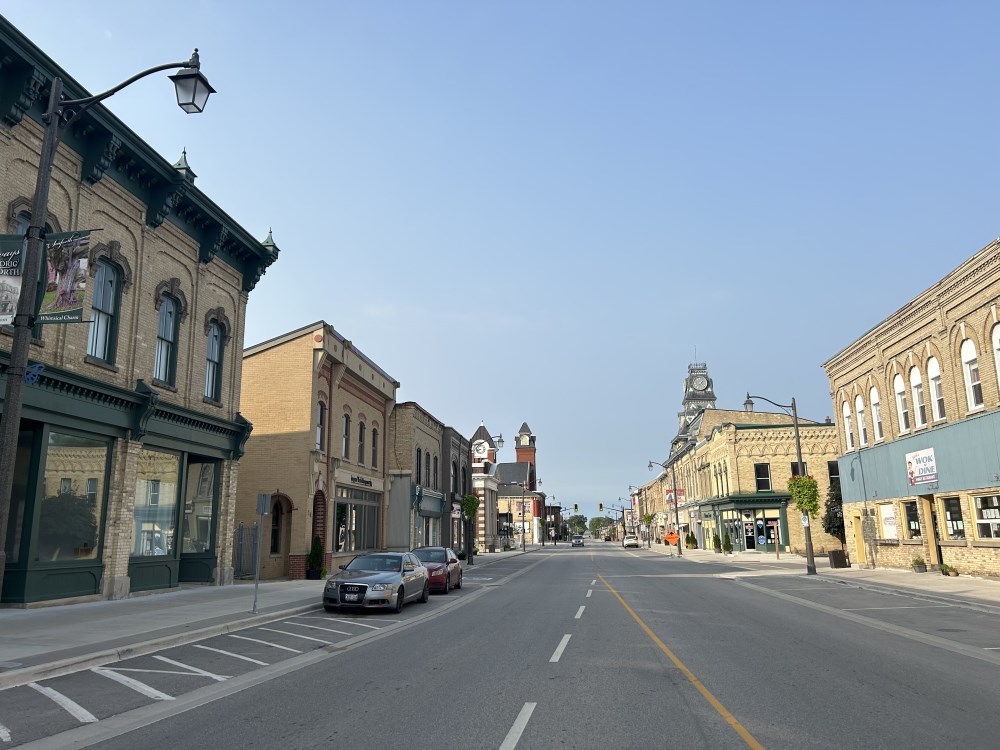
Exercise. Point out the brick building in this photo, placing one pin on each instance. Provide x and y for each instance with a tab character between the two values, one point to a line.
129	440
319	409
918	397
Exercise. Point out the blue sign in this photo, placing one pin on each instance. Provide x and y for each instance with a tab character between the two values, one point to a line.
761	540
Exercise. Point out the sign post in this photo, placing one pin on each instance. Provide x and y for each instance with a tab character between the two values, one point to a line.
263	509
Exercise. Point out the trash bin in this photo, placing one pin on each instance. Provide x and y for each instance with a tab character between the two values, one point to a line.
838	558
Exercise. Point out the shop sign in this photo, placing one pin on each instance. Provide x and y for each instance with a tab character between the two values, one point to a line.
921	467
363	481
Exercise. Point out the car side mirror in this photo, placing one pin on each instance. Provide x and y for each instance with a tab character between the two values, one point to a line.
342	567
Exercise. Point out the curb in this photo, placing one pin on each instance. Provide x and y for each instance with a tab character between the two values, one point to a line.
881	588
24	675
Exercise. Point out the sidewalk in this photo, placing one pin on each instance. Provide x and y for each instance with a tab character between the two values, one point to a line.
43	642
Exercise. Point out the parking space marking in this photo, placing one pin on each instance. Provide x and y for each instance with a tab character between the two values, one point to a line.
559	649
514	735
139	687
360	624
194	670
590	592
298	635
4	734
316	627
579	613
266	643
73	708
235	656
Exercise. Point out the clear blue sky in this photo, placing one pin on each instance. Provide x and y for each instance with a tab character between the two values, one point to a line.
535	210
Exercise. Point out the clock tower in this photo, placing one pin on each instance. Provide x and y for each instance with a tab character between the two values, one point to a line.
698	393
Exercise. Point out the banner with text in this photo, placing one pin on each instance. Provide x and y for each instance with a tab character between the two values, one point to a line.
11	253
921	467
66	256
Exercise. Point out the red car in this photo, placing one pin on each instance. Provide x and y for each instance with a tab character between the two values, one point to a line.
444	571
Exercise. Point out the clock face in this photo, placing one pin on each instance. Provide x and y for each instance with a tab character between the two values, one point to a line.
699	383
480	449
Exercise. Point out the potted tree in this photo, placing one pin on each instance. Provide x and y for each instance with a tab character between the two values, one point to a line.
947	570
727	545
314	563
919	565
716	542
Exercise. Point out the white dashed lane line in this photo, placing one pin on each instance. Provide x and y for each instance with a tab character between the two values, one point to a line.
560	648
579	613
514	735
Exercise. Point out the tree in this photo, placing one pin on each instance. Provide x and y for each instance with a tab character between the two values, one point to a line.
598	524
577	524
833	519
470	504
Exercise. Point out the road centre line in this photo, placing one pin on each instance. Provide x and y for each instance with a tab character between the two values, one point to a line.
559	649
266	643
579	613
139	687
317	627
298	635
590	593
77	711
230	653
193	670
514	735
731	720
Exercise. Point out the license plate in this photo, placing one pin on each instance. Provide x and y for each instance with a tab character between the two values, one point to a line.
350	597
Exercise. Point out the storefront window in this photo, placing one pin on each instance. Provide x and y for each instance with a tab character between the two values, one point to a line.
155	512
954	525
987	517
70	518
912	519
199	507
356	520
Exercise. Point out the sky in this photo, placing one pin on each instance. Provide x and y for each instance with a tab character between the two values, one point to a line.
542	211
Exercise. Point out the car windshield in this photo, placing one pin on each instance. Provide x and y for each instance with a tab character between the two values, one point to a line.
384	563
430	555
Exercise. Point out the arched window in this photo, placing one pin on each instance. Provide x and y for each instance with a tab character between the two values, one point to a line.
453	487
917	389
374	448
164	367
276	529
996	349
859	409
420	464
876	414
937	392
346	446
320	426
213	362
435	484
902	407
361	442
103	333
427	468
970	373
848	432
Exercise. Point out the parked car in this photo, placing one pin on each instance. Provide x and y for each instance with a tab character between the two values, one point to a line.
443	568
378	580
607	538
630	540
577	540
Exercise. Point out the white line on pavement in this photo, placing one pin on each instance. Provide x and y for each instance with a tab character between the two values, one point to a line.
510	741
266	643
298	635
230	653
4	734
594	582
590	592
991	648
193	670
579	613
360	624
139	687
77	711
560	648
315	627
919	606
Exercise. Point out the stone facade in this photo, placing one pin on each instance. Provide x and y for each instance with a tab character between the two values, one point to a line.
320	408
921	389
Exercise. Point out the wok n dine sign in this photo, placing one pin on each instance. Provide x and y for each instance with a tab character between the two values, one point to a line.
921	467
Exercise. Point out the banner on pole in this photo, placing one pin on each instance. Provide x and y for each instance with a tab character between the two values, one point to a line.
66	256
11	255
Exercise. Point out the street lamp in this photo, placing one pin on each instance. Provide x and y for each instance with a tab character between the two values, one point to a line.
192	90
677	512
748	405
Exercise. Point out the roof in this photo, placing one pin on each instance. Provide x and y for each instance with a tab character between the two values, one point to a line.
514	472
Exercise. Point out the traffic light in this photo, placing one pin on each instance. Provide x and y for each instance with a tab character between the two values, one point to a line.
576	508
600	507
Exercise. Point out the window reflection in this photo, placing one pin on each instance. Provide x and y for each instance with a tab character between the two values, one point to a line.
199	504
70	518
155	512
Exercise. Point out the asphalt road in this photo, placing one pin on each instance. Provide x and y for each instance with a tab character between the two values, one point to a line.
576	648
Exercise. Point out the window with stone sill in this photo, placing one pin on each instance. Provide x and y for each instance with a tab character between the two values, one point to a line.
912	517
987	511
848	430
917	390
902	407
876	415
937	392
970	373
954	524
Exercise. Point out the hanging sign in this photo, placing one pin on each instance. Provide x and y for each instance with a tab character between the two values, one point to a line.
66	258
11	254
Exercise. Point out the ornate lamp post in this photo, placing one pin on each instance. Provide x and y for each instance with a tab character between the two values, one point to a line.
748	405
193	90
673	492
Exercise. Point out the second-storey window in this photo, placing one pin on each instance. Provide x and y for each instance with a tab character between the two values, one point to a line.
361	442
859	409
374	448
420	464
213	363
762	476
917	389
346	445
937	393
902	407
970	372
320	426
103	332
164	367
876	415
848	431
435	484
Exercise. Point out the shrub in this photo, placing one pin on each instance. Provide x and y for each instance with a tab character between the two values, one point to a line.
716	542
918	561
315	559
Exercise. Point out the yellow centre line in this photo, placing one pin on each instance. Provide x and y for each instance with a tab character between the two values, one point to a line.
720	709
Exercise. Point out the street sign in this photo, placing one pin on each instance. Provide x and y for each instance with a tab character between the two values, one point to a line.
672	537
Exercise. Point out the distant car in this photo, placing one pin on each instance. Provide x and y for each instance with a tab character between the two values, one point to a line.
444	571
607	538
378	580
630	540
577	540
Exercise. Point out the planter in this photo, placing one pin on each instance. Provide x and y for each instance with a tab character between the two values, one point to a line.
313	574
953	573
919	568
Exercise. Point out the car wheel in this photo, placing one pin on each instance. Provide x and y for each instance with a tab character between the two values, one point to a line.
400	594
459	584
427	593
447	583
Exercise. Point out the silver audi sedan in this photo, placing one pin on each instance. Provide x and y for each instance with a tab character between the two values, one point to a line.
377	580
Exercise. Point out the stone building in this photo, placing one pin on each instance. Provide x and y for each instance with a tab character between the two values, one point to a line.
918	397
130	438
319	407
732	469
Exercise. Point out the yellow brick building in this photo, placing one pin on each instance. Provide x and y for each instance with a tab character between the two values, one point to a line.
917	399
